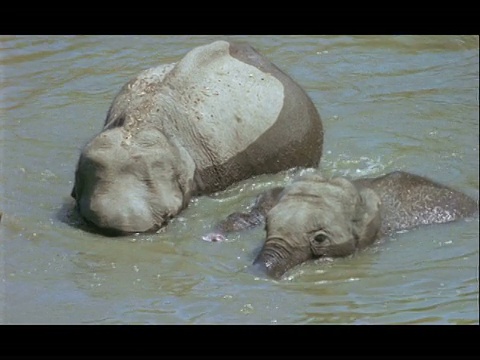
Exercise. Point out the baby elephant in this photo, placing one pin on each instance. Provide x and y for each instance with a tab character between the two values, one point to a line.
316	217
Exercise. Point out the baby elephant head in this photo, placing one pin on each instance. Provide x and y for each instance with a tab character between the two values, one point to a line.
316	218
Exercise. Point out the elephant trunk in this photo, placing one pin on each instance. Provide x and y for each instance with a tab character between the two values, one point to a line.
277	257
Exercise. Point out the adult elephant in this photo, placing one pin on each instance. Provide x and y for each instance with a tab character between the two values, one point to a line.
223	113
316	217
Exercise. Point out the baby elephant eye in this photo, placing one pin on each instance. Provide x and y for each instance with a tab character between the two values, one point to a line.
320	238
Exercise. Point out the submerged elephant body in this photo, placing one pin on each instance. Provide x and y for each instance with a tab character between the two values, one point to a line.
223	113
316	217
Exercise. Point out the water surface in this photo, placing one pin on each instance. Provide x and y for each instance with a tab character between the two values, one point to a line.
387	103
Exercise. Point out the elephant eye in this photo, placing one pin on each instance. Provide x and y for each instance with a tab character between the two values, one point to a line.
321	237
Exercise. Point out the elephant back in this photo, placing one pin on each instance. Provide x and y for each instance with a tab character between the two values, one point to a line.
409	200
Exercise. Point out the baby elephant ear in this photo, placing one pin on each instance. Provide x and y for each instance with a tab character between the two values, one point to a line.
367	221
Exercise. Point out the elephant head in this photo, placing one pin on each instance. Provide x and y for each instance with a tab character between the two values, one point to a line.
126	184
316	217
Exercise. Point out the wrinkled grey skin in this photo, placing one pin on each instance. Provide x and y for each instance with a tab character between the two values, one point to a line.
317	217
222	114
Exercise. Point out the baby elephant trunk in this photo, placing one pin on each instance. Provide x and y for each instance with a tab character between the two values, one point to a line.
277	257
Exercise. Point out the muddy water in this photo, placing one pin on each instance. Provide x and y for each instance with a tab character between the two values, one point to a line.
387	103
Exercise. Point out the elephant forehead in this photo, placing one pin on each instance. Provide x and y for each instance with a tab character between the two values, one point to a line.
115	147
334	192
318	203
304	214
100	157
103	141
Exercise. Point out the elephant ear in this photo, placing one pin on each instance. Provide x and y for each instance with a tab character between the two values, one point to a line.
367	219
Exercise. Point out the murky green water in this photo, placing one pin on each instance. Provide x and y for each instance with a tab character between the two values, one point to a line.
387	103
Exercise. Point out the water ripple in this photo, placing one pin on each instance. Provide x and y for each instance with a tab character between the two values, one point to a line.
387	103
